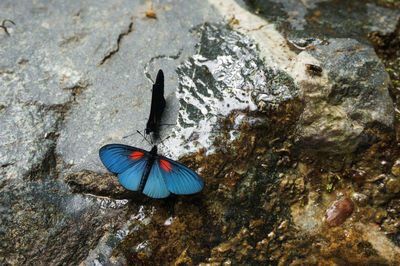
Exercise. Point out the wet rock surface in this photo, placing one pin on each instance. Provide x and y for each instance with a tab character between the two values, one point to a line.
281	125
338	113
328	19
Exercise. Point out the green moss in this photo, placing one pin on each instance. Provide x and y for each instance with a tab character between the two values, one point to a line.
329	187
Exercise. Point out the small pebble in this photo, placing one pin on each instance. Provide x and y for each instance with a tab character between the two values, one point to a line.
271	235
396	168
339	212
380	215
393	185
360	198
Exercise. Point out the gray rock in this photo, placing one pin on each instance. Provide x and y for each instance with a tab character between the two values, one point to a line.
225	74
77	75
44	223
25	139
320	19
47	61
356	97
77	70
116	103
352	73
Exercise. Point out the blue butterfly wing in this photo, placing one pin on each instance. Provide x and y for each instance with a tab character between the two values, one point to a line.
165	175
118	158
130	179
155	186
128	162
179	178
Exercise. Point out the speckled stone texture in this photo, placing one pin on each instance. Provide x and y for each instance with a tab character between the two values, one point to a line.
355	97
72	75
76	75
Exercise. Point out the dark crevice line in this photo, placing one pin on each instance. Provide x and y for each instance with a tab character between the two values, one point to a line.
168	57
77	90
3	26
120	37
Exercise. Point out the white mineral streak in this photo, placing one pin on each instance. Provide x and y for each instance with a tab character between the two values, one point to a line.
273	47
109	241
168	221
142	246
232	93
309	218
274	52
77	203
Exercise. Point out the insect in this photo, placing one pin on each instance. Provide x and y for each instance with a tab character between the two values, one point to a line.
314	70
157	105
154	175
151	14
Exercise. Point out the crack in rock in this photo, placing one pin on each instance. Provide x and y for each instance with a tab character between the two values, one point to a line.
154	58
120	37
76	90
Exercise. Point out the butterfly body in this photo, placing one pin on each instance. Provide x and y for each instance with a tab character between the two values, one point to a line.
157	104
152	174
149	164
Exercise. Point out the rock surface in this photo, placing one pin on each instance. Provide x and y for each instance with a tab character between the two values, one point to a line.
75	76
353	96
328	122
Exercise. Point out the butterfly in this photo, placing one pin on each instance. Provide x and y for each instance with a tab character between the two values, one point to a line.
154	175
157	105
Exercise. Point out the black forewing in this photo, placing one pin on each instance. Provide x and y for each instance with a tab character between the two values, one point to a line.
157	104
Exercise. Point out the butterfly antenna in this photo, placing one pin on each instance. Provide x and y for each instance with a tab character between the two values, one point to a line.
164	139
124	137
140	133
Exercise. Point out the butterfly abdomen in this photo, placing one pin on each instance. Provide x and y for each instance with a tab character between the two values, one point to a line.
149	165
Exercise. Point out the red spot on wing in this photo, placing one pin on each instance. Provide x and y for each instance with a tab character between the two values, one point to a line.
136	155
165	165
